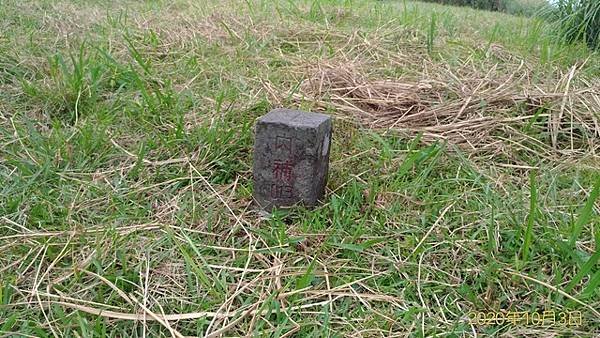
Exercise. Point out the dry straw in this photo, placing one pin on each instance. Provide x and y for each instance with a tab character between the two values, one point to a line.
491	111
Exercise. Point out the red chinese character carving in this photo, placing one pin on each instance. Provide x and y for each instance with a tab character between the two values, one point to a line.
281	191
283	143
282	170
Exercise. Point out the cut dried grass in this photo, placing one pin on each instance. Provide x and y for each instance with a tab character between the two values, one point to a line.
478	111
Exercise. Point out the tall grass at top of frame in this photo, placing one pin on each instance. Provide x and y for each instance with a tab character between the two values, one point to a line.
576	20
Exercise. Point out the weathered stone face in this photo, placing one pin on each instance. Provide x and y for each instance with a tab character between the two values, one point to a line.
291	158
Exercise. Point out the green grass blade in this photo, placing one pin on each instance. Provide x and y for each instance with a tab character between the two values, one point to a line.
586	213
592	287
532	213
198	271
585	270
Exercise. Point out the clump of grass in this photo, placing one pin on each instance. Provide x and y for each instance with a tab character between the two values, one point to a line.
525	7
577	20
494	5
431	33
520	7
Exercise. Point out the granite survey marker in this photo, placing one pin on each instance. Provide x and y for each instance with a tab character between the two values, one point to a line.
291	158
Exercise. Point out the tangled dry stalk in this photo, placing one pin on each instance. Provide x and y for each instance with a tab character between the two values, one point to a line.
480	111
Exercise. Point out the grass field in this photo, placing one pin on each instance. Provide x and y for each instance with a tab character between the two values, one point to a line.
464	173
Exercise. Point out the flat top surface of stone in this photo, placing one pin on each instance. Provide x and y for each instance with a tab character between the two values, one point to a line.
294	118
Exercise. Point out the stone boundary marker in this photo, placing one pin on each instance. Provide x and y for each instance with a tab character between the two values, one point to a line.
291	158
